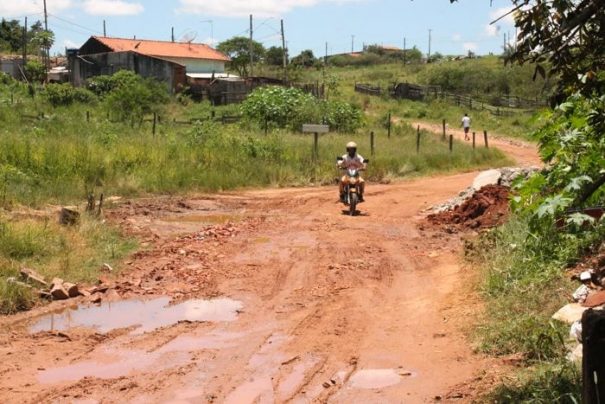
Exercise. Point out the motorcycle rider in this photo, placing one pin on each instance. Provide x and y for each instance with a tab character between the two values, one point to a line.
351	160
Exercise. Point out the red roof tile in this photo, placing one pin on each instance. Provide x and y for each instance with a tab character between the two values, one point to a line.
163	48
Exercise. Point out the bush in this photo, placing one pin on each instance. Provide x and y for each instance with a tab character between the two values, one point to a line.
66	94
131	96
291	108
35	71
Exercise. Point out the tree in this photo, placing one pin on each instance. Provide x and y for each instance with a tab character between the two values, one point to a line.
238	49
306	59
11	35
274	56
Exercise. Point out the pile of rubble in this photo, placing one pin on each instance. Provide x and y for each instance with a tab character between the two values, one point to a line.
488	207
501	176
589	295
57	289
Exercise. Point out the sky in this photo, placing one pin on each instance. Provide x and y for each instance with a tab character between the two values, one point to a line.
309	24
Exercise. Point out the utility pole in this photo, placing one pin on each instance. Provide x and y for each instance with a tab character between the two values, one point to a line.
172	36
404	50
47	64
326	57
104	29
251	50
430	38
284	55
25	43
352	43
504	44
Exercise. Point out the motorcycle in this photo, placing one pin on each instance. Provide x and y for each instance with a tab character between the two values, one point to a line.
352	186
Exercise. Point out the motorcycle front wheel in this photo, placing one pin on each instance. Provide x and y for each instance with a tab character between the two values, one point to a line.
353	199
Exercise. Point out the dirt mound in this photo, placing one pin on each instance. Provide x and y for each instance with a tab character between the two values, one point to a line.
488	207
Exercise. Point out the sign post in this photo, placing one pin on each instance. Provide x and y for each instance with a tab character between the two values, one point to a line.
316	130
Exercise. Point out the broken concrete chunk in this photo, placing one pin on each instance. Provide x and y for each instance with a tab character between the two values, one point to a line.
56	282
581	294
569	313
58	292
585	276
72	289
489	177
32	276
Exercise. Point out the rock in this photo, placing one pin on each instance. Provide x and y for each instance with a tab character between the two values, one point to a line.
96	298
595	299
72	289
32	276
489	177
68	217
569	313
58	292
585	276
581	293
14	281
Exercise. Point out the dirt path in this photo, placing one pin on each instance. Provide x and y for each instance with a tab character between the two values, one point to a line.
524	153
305	305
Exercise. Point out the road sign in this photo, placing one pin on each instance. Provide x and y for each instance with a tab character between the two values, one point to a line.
310	128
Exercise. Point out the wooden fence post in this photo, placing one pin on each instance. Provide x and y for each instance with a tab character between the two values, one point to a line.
485	139
389	127
87	116
451	143
372	150
316	146
155	120
418	139
12	98
443	130
474	139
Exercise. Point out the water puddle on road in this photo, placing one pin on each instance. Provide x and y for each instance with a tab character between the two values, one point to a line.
377	378
143	315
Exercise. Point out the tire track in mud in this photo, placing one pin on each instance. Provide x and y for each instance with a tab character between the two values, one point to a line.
339	294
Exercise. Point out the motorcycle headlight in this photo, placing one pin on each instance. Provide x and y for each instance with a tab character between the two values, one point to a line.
352	180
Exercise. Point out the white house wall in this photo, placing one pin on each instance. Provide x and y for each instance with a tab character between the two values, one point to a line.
199	65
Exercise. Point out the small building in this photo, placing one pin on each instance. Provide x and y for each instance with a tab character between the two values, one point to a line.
13	66
170	62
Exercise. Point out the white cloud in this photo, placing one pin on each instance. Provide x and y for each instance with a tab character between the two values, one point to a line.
456	37
68	43
492	30
112	7
242	8
469	46
499	12
17	8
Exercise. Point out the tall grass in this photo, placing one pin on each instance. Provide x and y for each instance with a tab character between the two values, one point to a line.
74	254
60	158
523	287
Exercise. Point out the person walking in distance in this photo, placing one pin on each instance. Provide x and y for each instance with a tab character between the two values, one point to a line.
466	124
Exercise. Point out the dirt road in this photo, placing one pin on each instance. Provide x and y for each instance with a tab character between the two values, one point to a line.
264	296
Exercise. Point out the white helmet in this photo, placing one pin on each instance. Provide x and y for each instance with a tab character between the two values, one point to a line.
351	145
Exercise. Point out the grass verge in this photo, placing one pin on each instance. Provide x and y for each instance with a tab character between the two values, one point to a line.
74	253
523	286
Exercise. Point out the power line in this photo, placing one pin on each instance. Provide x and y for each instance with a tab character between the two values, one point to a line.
74	24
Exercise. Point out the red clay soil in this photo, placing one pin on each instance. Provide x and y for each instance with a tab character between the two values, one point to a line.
487	208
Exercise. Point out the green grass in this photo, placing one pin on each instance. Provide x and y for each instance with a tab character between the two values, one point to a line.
60	158
74	253
523	286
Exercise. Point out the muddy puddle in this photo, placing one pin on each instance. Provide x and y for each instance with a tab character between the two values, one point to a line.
378	378
142	315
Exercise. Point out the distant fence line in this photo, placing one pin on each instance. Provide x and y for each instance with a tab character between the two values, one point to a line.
509	105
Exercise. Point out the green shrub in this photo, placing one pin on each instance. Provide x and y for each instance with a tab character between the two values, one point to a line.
35	71
66	94
291	108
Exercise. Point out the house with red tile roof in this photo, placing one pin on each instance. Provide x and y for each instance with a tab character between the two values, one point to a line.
171	62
